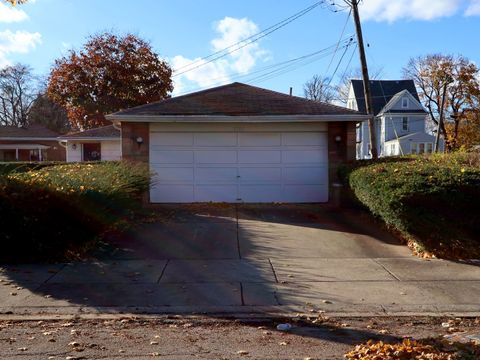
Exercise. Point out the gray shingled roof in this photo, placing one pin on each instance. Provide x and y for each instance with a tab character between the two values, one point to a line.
103	132
34	131
236	99
382	92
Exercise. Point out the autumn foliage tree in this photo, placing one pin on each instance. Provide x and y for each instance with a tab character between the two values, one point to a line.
449	87
110	73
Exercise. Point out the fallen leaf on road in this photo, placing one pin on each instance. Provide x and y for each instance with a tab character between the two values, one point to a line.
242	352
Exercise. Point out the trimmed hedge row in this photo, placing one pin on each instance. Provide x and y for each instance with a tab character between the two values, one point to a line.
433	201
49	213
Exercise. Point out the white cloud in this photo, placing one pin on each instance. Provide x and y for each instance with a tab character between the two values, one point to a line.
10	14
473	8
16	42
393	10
230	31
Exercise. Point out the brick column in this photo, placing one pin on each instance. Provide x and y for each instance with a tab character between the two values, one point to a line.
340	151
131	150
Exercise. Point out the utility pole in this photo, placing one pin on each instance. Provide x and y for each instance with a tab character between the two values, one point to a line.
366	79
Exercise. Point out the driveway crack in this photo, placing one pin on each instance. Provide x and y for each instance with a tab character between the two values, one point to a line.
387	270
163	271
241	294
238	237
273	270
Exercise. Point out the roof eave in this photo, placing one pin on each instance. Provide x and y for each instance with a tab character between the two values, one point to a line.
63	138
26	138
236	119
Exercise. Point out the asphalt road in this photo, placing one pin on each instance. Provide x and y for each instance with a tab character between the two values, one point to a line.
204	338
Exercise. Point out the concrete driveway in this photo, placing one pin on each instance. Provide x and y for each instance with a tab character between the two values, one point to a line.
248	258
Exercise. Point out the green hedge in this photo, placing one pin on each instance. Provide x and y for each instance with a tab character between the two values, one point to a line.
54	211
430	200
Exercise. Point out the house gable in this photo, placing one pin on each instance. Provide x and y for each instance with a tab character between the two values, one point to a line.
403	102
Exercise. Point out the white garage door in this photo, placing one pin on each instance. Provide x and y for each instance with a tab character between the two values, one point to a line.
239	166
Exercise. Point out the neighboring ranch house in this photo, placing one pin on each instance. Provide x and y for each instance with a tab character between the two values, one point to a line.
96	144
239	143
400	119
32	143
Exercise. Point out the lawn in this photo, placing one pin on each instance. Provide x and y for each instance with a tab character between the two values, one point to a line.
57	212
430	201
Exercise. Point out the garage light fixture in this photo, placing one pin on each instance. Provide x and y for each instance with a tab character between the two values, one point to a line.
338	138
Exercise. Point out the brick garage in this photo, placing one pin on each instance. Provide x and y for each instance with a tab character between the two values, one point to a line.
239	143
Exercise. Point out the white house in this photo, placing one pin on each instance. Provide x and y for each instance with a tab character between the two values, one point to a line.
400	119
97	144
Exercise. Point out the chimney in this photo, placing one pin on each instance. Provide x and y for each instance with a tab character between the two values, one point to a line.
291	90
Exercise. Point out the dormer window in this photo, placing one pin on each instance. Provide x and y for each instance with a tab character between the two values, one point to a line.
404	102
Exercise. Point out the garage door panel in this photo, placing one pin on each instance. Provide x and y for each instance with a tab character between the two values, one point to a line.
220	193
261	175
171	157
260	193
304	156
173	174
216	174
259	157
304	139
216	139
305	193
305	175
259	139
171	139
215	157
239	166
172	193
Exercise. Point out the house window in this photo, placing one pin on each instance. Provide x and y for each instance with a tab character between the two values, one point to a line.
429	148
413	148
404	103
421	148
405	123
34	155
393	149
91	152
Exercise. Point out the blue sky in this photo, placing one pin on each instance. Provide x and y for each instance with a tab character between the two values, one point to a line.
182	31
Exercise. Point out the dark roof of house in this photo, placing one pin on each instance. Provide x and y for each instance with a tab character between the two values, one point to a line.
236	99
382	92
34	131
100	132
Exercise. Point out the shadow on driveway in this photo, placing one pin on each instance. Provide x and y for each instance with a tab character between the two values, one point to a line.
221	260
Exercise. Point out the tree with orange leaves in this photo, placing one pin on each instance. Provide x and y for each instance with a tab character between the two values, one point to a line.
110	73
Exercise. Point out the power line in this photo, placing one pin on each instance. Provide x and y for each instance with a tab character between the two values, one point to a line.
338	65
282	67
245	42
279	72
339	39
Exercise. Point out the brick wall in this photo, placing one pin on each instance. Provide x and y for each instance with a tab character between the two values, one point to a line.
339	151
131	150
